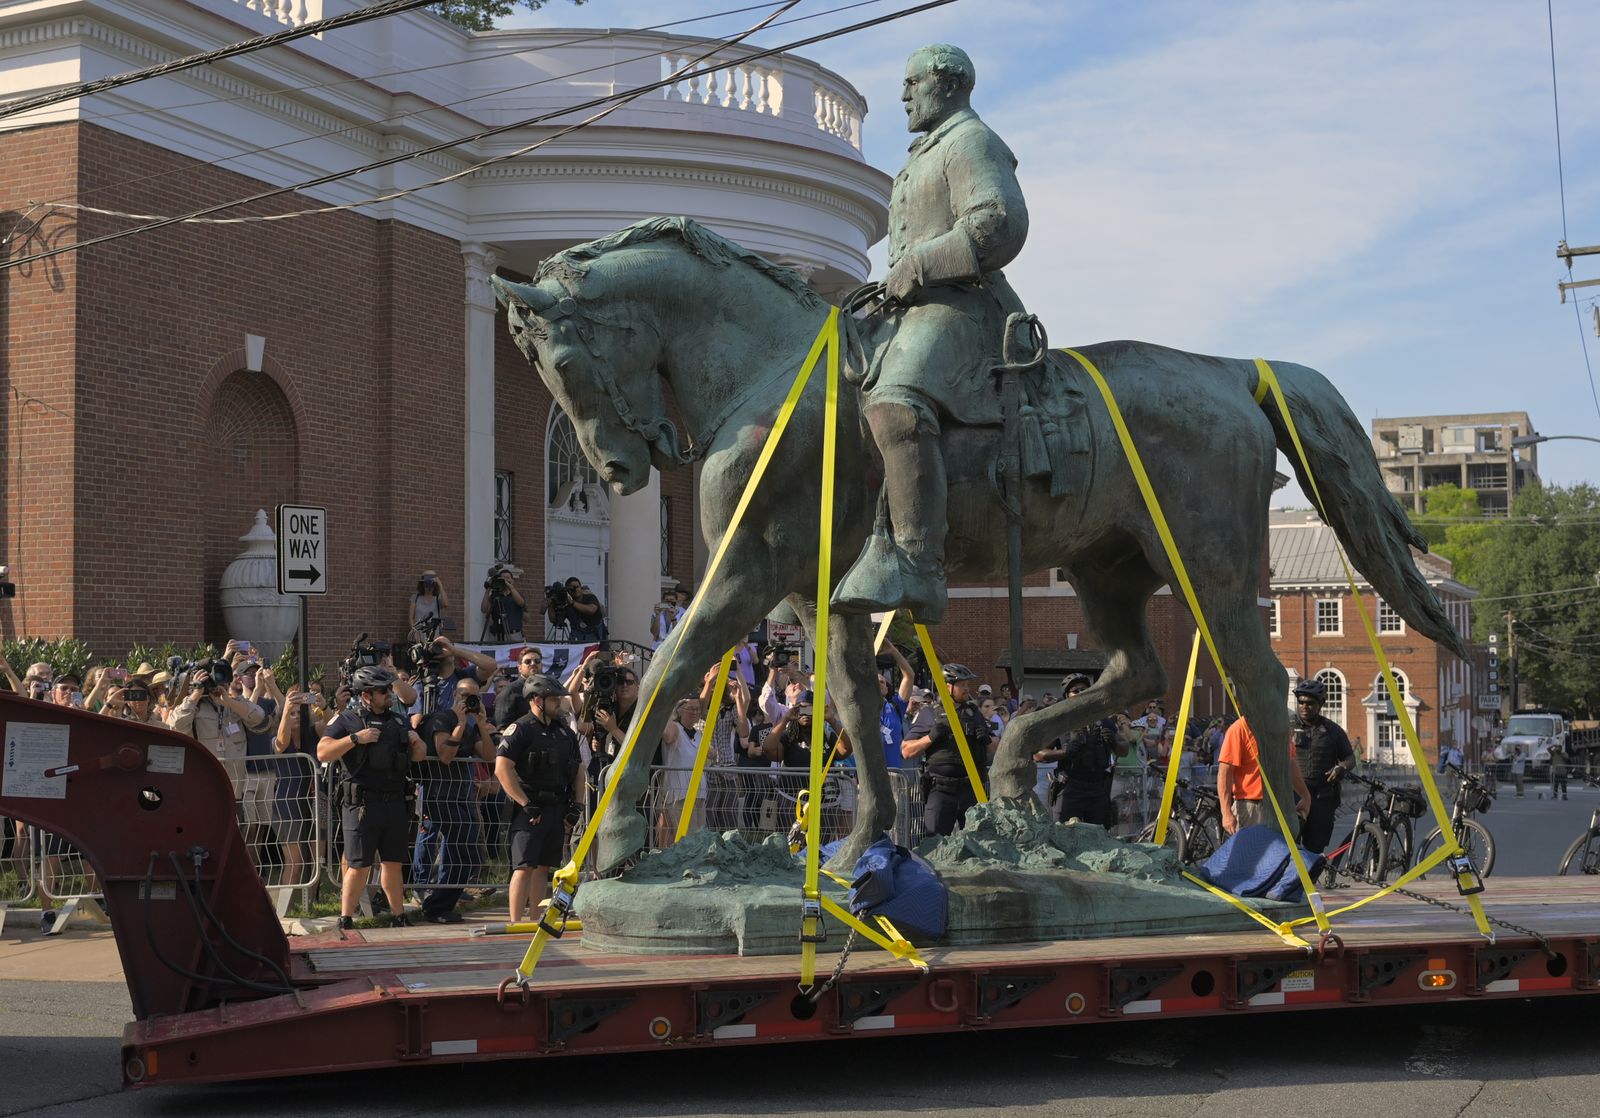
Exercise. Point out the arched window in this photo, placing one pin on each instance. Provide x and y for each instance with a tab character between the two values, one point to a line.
1402	685
567	470
1333	704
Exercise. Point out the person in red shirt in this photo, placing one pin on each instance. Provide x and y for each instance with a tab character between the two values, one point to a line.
1240	788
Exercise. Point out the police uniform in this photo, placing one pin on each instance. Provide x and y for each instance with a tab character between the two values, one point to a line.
374	787
1080	788
1319	745
947	790
545	756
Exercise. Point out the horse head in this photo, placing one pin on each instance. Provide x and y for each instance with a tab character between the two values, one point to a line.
601	371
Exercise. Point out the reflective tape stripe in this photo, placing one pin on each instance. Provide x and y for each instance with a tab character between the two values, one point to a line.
453	1048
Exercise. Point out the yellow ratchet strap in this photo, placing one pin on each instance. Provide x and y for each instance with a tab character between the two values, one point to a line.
564	882
1171	788
891	940
949	705
1447	835
700	757
1284	932
812	931
1159	519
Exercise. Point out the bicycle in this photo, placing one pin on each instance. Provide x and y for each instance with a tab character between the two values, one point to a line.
1381	837
1194	832
1472	798
1583	856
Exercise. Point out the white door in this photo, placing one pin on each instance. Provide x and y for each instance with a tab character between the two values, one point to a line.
576	550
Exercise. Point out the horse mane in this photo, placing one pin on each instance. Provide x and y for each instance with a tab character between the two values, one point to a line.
571	265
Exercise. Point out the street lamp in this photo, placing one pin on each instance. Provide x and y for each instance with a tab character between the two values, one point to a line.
1535	440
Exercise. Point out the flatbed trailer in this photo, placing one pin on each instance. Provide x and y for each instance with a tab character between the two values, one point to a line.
220	994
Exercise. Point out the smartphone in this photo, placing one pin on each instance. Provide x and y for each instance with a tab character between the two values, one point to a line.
119	674
244	646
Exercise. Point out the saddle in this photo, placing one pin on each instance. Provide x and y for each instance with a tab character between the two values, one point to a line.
1052	422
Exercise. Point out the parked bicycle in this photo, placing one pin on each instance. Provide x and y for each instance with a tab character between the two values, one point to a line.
1472	798
1195	830
1381	837
1583	856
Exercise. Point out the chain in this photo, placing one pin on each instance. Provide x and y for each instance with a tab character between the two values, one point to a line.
816	992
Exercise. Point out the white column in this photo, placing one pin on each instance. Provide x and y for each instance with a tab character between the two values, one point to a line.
634	574
478	499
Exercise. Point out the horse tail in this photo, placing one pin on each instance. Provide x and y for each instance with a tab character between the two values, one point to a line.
1375	531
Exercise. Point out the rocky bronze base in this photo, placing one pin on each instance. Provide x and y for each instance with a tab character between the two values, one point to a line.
1014	877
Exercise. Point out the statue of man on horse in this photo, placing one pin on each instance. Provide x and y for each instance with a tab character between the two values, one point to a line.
956	217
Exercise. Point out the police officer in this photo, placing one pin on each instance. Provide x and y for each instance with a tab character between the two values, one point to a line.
1080	788
375	747
947	791
1325	756
537	766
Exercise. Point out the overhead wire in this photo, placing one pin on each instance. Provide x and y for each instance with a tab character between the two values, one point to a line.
614	98
207	57
436	107
1561	184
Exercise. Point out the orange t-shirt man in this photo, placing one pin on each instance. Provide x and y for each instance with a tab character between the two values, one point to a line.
1239	785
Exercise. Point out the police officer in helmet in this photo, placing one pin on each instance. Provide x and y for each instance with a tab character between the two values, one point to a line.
1324	753
375	747
1080	788
537	765
947	791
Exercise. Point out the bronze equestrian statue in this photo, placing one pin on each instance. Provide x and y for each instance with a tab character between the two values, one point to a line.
611	323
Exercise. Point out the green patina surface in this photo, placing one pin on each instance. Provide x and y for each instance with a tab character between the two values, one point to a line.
1014	877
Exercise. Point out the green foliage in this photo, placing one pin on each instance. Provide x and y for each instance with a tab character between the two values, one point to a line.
1551	543
66	655
480	15
1444	522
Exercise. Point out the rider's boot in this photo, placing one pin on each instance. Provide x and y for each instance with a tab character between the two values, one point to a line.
907	571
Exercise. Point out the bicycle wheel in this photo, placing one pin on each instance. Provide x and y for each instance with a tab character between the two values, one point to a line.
1176	838
1479	845
1203	838
1581	856
1366	856
1397	856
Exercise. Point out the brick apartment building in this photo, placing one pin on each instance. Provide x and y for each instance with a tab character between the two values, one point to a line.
1317	632
140	431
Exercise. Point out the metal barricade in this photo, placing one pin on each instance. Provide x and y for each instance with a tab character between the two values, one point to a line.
461	837
17	879
60	874
278	818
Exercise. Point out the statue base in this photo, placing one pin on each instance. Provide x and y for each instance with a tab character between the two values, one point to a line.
1013	876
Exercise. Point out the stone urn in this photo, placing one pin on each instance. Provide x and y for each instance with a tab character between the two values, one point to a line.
252	608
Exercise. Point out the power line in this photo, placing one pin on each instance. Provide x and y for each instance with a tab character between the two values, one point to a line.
623	97
1536	594
556	78
205	58
1561	185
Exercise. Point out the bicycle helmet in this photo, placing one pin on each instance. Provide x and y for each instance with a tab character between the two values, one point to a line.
371	678
544	687
958	673
1076	679
1313	689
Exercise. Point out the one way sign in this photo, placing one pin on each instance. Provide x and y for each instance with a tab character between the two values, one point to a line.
302	549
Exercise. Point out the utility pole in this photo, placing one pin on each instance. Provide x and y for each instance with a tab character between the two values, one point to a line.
1511	661
1566	254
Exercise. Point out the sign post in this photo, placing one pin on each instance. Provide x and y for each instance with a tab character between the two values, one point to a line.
303	564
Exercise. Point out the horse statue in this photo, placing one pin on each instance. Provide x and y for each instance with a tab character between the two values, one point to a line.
611	325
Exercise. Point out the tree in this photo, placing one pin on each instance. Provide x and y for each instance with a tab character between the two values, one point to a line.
480	15
1544	564
1447	522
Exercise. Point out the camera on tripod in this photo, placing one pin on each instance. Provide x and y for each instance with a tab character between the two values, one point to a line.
422	656
498	580
363	654
556	595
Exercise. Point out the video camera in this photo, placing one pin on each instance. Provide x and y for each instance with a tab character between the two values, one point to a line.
423	656
219	670
556	595
496	581
780	656
363	654
601	684
8	589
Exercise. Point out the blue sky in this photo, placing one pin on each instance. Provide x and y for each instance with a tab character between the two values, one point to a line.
1365	187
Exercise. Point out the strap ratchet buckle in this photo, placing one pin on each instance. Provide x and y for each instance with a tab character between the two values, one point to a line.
1468	880
811	917
560	903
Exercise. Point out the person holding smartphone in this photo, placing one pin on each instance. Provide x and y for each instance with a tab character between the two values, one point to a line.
447	852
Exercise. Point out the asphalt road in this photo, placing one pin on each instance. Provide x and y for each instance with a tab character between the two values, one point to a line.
59	1041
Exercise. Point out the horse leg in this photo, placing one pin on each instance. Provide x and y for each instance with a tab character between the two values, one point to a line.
732	606
853	682
1114	601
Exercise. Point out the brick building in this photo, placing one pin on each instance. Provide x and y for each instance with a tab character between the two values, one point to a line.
139	428
1317	632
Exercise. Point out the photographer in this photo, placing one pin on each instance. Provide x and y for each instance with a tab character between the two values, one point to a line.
784	684
947	790
217	719
375	748
732	728
502	606
299	729
429	601
444	653
133	701
680	747
604	710
1080	787
573	607
668	612
537	767
793	733
455	736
